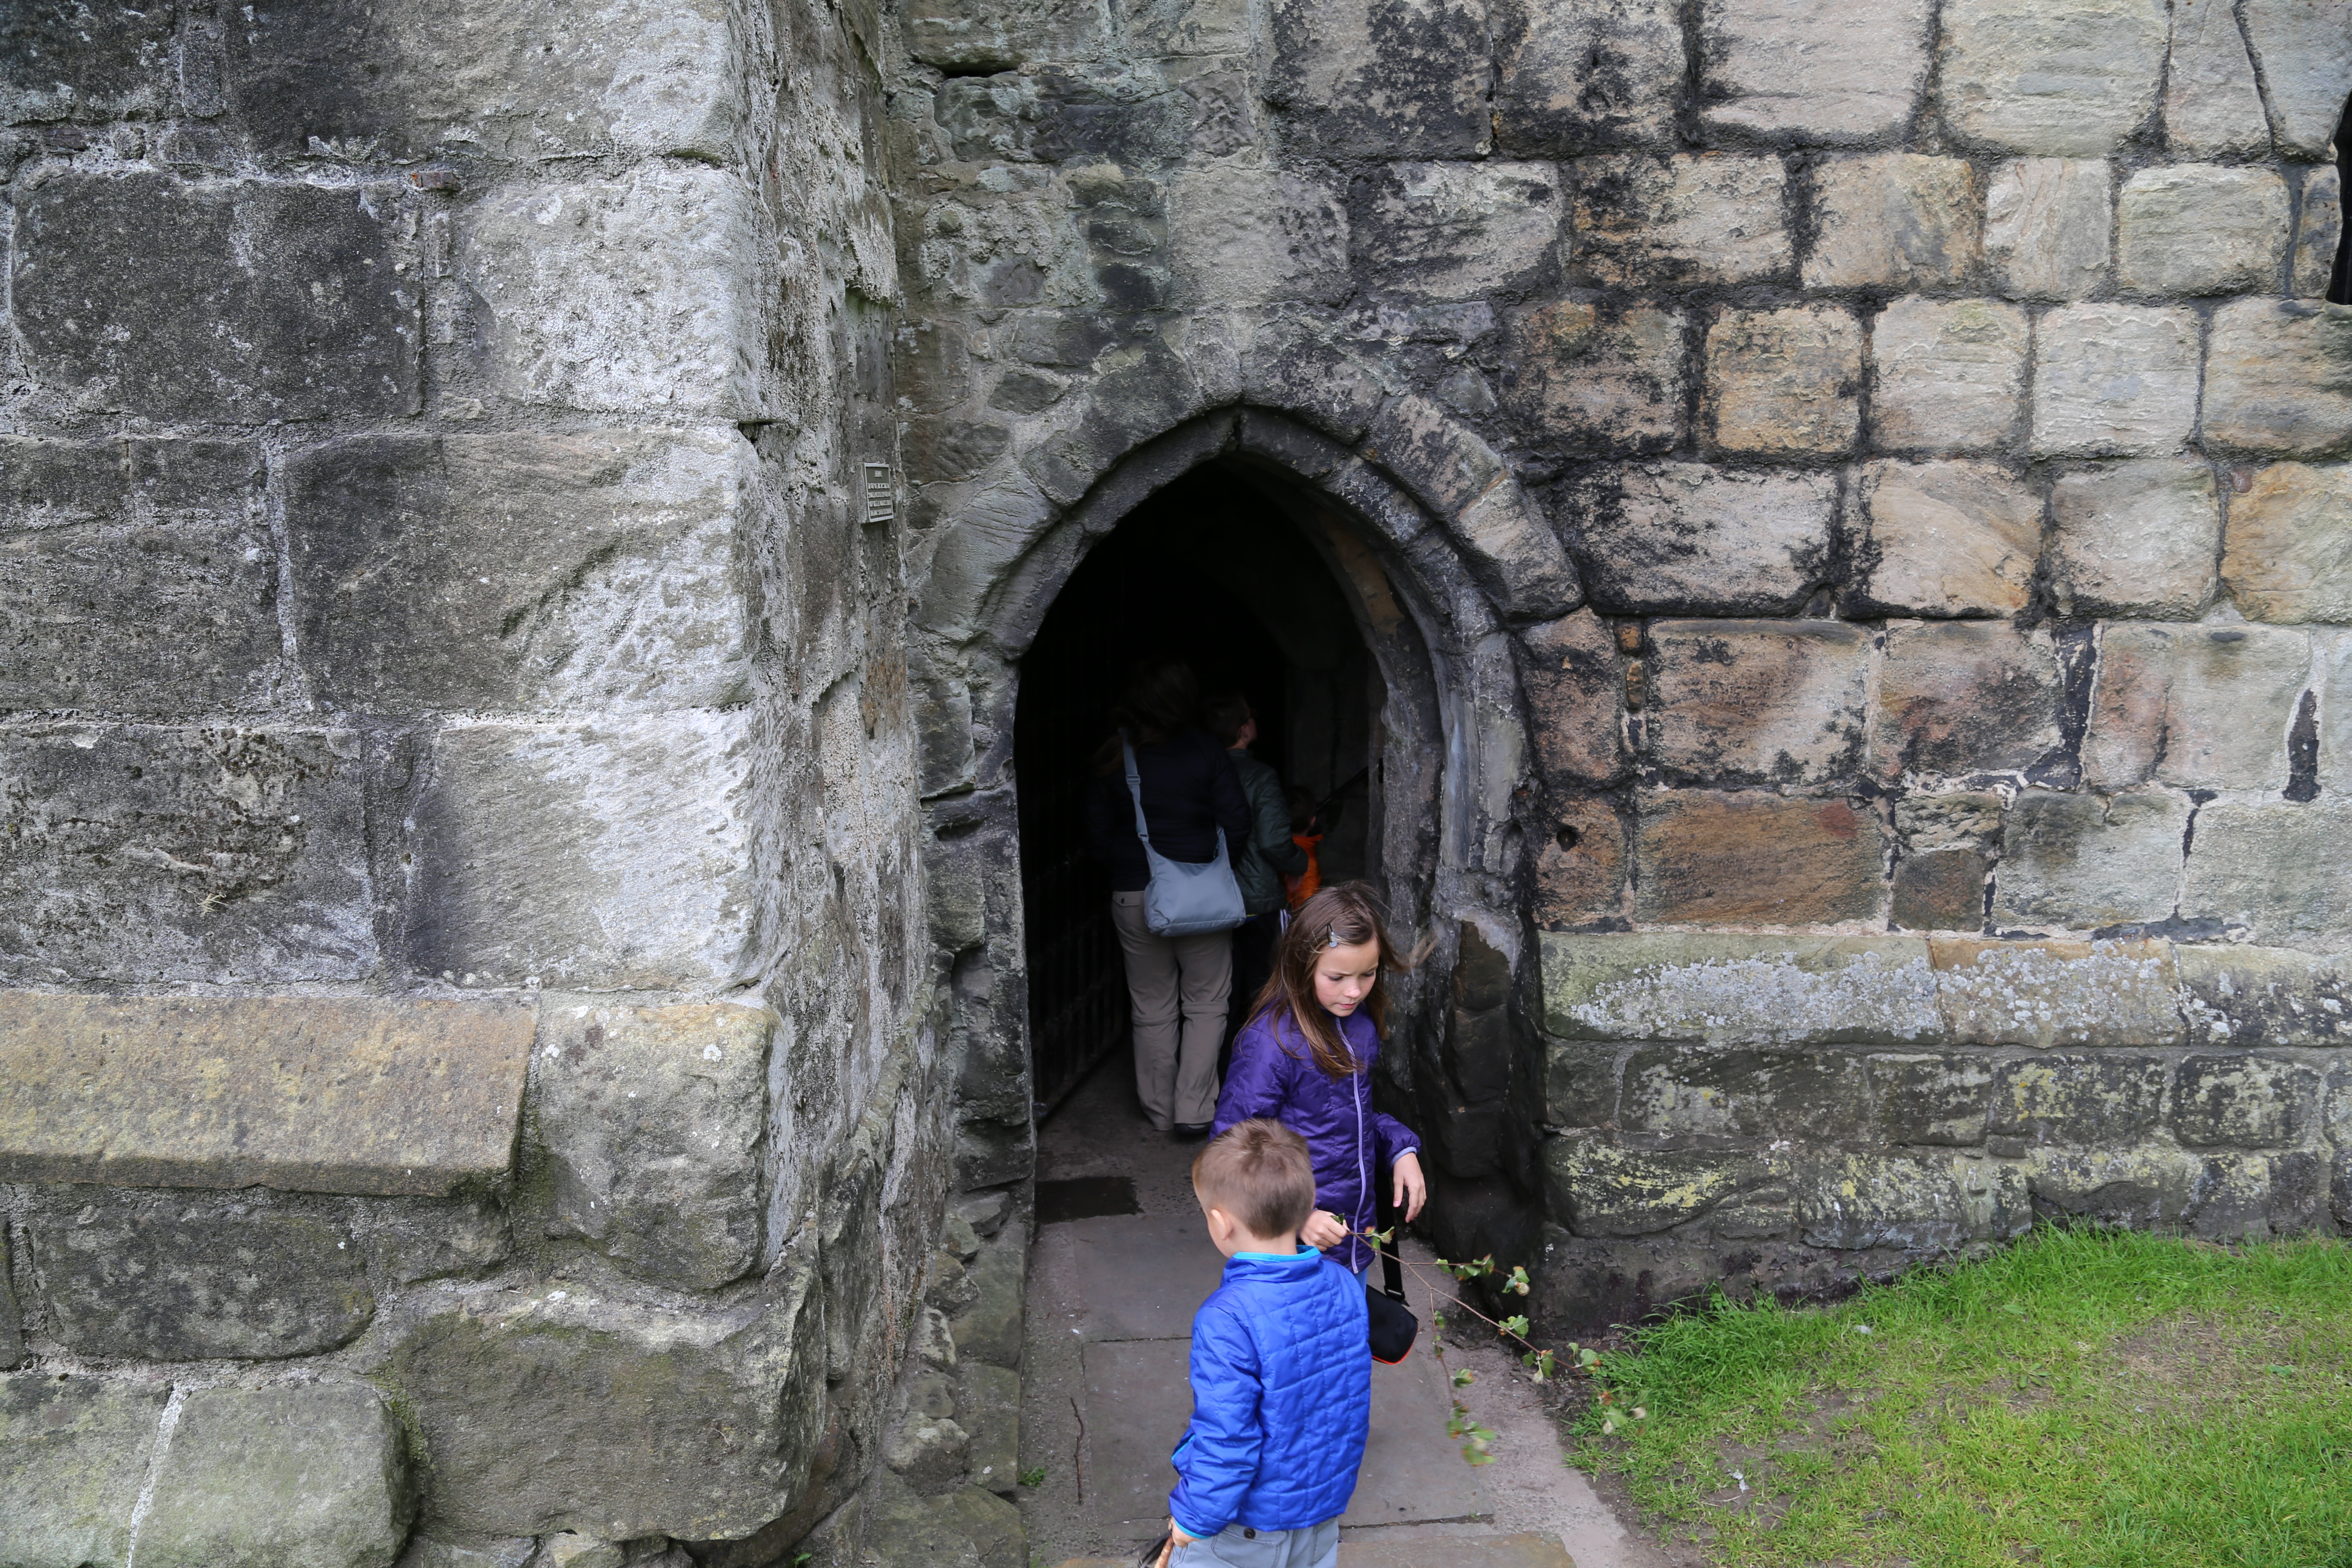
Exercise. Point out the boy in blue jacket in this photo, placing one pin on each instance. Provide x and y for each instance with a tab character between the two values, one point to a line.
1281	1374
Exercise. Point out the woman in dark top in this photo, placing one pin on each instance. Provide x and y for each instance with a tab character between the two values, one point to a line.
1177	986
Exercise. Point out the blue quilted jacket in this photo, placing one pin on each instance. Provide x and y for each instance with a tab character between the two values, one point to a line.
1282	1396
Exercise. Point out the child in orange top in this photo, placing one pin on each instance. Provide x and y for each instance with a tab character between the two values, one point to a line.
1306	832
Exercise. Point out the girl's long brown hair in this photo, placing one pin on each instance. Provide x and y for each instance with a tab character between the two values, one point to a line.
1336	917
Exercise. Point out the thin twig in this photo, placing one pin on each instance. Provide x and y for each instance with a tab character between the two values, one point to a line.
1078	1450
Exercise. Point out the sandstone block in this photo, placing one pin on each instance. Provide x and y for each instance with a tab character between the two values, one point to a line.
1287	367
987	1405
2202	228
2287	552
1784	382
286	300
2333	653
989	1330
1597	1189
220	855
313	1476
961	36
97	63
1257	237
2069	80
2047	223
1967	819
429	1238
560	1410
2114	379
2044	994
1728	989
1692	539
2306	57
1691	218
2212	106
2258	1102
2086	1098
652	1119
1444	462
2141	1188
135	576
156	1276
1759	701
1512	552
2135	538
1822	72
1458	231
1948	376
1574	74
1752	860
1580	867
1703	1097
615	855
308	1094
1964	698
2318	232
2273	867
73	1458
968	1525
1369	80
11	1328
1932	1098
1583	375
991	531
1940	890
929	1453
2238	996
1855	1201
2079	861
1946	539
2198	707
612	295
1894	220
2278	377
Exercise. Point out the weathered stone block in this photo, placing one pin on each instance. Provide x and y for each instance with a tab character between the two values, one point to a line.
1948	376
1940	890
1750	860
2278	377
73	1458
1582	374
229	855
1443	460
2202	228
627	293
2071	78
2135	538
1514	555
968	1525
2266	996
1574	74
1688	538
929	1453
1962	698
2142	1187
1731	989
1822	72
286	300
560	1410
319	1094
2212	106
2332	654
313	1476
1580	867
615	855
1855	1201
93	63
651	1117
1945	538
1640	221
2114	379
1368	79
2200	707
2080	861
988	1406
2273	868
2101	1098
1709	1097
1784	382
1894	220
1759	701
2257	1102
426	1238
988	1331
2306	57
2047	222
1256	236
962	36
1938	1098
1458	231
2318	234
2287	554
1597	1189
2045	993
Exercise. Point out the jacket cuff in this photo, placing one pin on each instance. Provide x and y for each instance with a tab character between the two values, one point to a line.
1197	1531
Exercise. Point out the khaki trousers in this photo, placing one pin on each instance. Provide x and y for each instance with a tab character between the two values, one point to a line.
1177	988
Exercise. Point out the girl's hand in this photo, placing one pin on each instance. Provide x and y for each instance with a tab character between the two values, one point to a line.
1412	1187
1323	1231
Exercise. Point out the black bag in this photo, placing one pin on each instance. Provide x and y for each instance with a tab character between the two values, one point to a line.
1393	1326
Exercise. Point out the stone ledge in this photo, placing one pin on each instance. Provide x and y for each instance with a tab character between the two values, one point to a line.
363	1095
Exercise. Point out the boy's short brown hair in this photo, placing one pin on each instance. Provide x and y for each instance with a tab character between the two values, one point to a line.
1258	1172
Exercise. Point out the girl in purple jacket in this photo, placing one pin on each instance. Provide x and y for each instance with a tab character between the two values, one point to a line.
1304	1059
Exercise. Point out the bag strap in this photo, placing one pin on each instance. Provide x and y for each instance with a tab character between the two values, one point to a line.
1135	788
1384	1217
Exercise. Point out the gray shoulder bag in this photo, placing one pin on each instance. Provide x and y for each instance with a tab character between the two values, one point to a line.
1182	899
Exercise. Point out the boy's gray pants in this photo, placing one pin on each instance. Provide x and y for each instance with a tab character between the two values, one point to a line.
1235	1546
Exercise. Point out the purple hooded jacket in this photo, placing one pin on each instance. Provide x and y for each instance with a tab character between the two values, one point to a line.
1274	1075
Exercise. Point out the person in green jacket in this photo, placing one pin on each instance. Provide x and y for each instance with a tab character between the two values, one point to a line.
1260	865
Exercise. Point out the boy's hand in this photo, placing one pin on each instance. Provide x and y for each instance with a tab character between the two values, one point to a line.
1323	1230
1412	1187
1176	1538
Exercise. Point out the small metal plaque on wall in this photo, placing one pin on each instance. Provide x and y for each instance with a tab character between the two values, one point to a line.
881	493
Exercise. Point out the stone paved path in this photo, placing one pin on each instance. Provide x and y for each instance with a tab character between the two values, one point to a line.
1111	1300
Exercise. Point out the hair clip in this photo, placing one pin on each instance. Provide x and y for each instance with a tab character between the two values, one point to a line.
1332	935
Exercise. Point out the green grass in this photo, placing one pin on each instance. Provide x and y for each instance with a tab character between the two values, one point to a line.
2082	1398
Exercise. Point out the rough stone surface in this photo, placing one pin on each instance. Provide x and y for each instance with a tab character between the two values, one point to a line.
2318	234
2061	1098
1691	218
346	1094
1730	989
1962	699
2287	552
988	1406
2200	228
2144	1187
1759	701
2197	707
1580	870
2243	1101
651	1119
2268	868
1575	686
1784	382
1460	231
2079	861
1597	1189
1693	539
1946	539
2068	79
308	1477
1702	1096
1708	858
2114	379
2305	57
2047	223
2212	106
968	1525
1572	76
960	35
1942	1098
1948	376
74	1452
1362	79
1597	379
2138	537
2055	994
1894	220
1940	890
96	63
1258	236
2240	995
1822	72
2278	378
